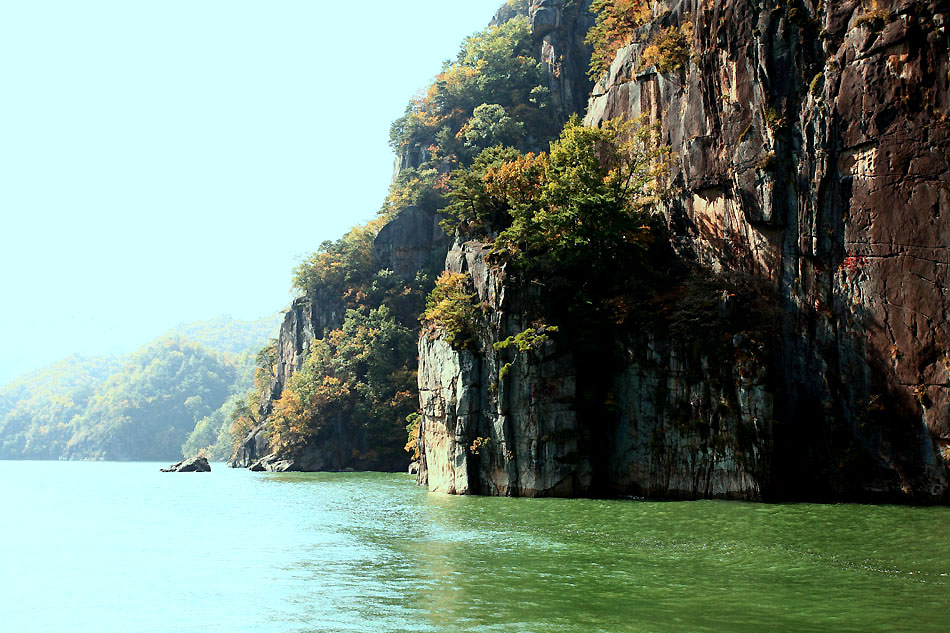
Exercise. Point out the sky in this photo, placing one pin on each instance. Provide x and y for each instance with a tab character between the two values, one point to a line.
172	161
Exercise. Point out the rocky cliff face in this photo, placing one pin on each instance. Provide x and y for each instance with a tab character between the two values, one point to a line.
678	420
812	153
560	27
485	431
405	245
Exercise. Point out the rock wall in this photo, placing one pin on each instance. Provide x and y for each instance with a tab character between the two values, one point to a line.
812	145
485	431
690	425
812	150
404	245
679	422
560	27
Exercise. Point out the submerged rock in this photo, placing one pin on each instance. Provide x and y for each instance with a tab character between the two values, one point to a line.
192	465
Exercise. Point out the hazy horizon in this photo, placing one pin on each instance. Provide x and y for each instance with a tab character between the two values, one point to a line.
171	163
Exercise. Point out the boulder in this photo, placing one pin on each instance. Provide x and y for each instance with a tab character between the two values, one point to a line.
191	465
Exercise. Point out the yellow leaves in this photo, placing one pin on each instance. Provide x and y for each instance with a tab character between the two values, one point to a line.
478	444
517	181
300	409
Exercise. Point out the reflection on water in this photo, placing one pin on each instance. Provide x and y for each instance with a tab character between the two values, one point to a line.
240	551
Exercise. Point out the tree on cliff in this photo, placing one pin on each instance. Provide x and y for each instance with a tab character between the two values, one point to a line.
494	91
360	376
576	221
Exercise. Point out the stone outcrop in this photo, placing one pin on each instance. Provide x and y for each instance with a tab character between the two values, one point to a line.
812	144
811	149
560	28
405	245
680	423
485	431
191	465
411	242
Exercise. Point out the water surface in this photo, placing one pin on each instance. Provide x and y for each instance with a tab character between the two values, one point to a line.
122	547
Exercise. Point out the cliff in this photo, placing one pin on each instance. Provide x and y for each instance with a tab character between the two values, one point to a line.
669	417
811	161
411	241
405	245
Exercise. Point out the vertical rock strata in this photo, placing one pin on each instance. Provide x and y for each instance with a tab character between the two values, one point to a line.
811	151
683	423
485	431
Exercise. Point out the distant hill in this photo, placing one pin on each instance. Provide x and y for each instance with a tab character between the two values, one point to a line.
36	409
141	406
228	335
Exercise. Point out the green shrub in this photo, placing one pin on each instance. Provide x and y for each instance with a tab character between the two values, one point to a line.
451	310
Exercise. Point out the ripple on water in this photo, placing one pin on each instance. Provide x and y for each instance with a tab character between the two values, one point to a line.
124	549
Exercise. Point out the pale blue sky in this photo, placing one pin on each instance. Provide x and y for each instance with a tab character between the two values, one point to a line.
172	161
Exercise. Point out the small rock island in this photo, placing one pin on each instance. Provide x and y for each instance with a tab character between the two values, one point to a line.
191	465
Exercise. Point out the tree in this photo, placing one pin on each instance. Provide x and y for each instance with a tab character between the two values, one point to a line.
490	125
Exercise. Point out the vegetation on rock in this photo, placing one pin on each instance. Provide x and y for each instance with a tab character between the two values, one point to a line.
617	20
451	310
670	49
493	92
341	267
571	216
361	375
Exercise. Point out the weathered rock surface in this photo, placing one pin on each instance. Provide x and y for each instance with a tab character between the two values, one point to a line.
812	146
515	435
410	242
682	424
560	28
812	143
191	465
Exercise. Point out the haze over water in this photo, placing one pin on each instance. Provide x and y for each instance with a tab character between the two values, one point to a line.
122	547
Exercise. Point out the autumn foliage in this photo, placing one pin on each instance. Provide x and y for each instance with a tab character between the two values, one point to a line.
617	20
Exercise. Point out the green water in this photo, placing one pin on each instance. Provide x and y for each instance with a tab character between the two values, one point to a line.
122	547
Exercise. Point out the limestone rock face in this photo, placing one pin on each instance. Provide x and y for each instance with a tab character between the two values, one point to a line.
484	431
685	425
560	28
811	146
410	241
812	149
690	428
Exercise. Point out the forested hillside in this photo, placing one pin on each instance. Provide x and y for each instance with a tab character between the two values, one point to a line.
173	392
340	386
